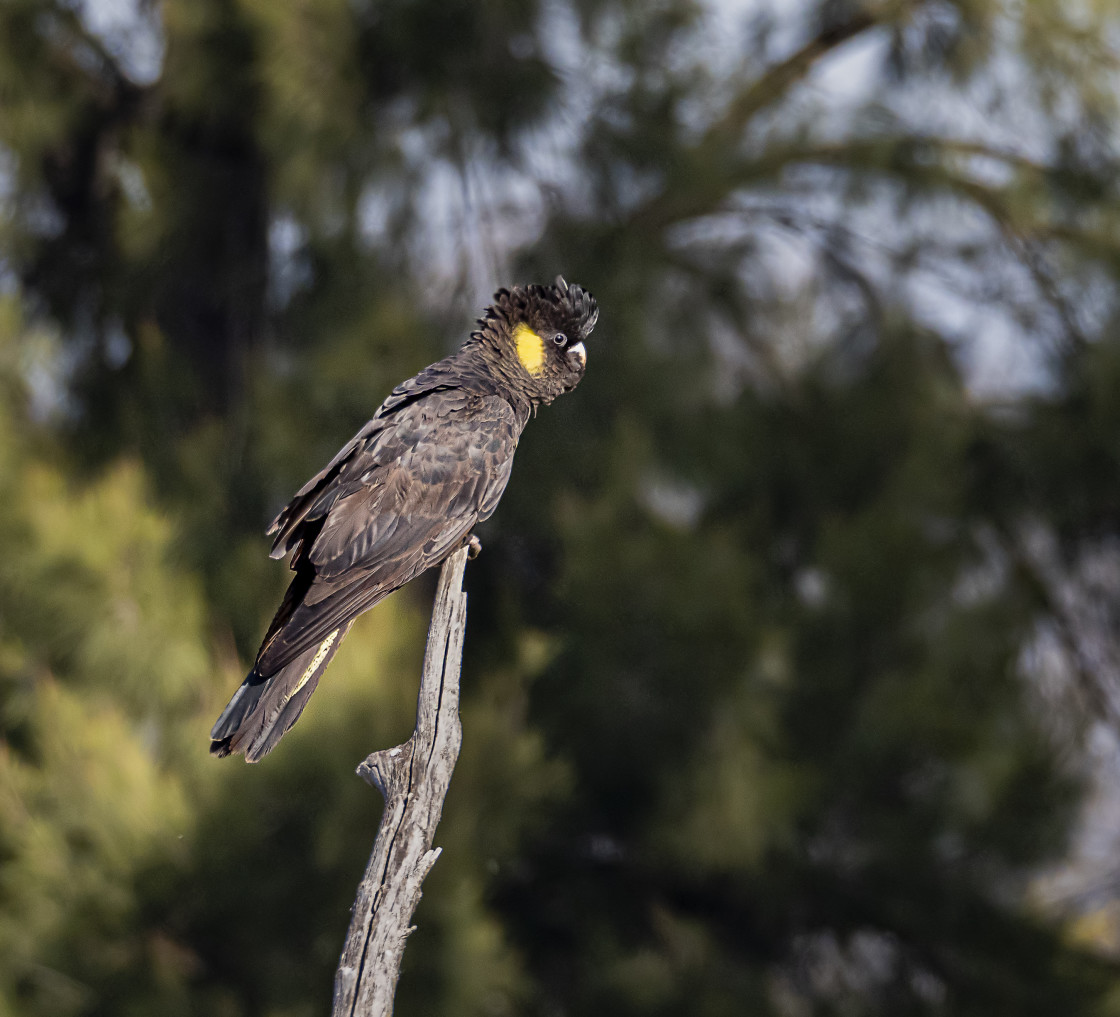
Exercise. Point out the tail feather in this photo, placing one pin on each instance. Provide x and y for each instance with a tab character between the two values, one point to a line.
264	707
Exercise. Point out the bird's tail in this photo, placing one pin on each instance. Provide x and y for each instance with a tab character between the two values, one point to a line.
267	705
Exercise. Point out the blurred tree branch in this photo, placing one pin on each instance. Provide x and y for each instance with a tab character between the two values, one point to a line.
414	778
708	162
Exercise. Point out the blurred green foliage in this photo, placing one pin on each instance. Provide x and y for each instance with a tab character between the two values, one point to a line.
747	721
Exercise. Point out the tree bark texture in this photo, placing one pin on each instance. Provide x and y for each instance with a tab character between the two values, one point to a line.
413	778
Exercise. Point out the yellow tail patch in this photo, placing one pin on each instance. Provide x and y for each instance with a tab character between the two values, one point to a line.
530	349
324	649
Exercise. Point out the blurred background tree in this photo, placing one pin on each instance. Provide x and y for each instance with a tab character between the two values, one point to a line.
792	673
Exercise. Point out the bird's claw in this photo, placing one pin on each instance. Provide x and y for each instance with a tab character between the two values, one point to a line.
474	547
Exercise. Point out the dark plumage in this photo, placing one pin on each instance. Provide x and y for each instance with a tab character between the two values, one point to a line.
404	493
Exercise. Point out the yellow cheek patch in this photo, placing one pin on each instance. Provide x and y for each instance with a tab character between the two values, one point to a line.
530	349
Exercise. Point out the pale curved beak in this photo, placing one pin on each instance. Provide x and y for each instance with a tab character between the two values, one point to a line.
580	351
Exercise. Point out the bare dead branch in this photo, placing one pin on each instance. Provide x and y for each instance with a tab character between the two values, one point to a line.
413	778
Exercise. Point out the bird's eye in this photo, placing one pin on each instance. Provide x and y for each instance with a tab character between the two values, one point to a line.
560	339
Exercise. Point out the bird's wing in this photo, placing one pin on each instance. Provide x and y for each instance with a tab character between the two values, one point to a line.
308	504
401	505
314	499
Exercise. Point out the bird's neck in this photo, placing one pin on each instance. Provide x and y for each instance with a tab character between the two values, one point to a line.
504	370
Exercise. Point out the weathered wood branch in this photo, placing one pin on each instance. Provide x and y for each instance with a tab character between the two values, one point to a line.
413	778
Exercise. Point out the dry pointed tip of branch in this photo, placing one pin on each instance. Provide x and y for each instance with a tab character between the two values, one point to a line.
379	768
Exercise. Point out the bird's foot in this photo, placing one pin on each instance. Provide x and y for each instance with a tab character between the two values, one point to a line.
474	547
